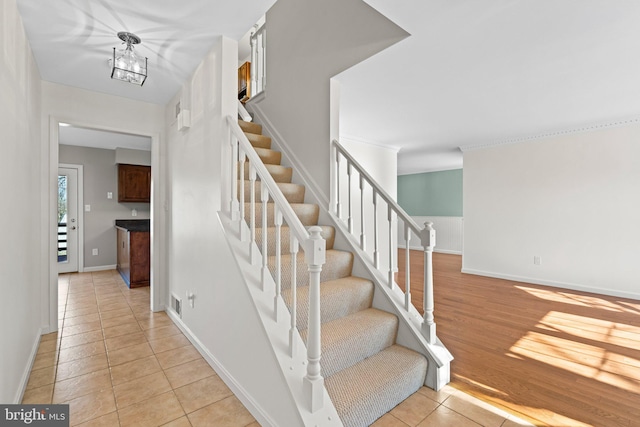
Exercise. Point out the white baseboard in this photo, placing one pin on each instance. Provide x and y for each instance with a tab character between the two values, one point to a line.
251	405
551	283
25	375
447	251
100	268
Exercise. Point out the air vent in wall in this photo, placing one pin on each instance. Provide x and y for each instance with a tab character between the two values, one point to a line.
176	305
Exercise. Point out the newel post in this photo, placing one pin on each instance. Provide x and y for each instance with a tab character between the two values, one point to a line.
428	240
315	256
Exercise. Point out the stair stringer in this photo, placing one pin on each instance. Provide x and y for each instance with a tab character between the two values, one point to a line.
385	298
292	367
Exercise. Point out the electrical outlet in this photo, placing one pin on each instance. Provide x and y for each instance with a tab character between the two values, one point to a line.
537	260
94	251
134	212
109	195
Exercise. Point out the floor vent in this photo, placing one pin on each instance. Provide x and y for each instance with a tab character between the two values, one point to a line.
176	305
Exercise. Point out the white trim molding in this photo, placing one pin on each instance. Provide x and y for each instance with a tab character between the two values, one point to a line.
253	407
22	386
550	134
551	283
100	268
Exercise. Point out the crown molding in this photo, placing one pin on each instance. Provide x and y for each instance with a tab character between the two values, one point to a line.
587	128
349	138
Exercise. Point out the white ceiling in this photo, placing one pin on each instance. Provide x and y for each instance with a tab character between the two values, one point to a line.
72	40
480	72
472	72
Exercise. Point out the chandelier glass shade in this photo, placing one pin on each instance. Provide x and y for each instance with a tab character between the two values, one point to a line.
125	64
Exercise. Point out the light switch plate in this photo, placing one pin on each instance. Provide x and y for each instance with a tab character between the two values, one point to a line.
109	195
87	208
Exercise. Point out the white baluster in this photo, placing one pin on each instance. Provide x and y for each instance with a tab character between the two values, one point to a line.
428	241
376	252
315	256
362	232
293	332
254	60
264	197
338	204
243	232
252	227
390	218
234	206
350	218
263	86
407	266
277	216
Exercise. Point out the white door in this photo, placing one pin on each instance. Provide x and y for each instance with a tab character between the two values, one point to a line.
67	217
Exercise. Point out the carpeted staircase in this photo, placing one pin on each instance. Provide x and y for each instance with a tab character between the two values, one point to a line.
366	373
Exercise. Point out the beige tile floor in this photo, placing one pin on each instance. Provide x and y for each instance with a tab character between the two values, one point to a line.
118	364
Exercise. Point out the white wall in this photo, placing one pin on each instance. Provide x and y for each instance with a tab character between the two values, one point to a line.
572	200
223	320
308	42
20	149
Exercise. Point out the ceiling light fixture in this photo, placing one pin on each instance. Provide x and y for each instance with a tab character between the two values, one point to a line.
125	64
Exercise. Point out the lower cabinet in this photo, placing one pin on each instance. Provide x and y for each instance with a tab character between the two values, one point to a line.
134	257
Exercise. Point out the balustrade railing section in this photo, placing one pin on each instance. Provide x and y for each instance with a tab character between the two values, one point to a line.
243	156
363	223
259	60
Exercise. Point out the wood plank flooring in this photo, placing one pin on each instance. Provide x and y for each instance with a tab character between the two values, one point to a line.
553	356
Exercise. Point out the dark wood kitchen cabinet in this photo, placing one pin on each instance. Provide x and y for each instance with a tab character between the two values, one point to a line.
134	259
134	183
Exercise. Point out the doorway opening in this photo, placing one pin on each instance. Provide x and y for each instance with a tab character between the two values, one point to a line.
78	145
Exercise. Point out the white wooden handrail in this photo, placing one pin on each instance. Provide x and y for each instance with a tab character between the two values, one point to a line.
243	113
313	244
426	234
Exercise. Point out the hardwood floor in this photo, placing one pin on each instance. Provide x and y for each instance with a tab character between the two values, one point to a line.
553	356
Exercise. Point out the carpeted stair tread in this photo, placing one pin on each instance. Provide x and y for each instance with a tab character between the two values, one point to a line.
338	265
367	390
259	141
307	213
328	233
269	156
366	373
278	172
250	127
351	339
294	193
339	298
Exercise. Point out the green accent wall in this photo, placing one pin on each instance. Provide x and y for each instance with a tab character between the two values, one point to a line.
431	193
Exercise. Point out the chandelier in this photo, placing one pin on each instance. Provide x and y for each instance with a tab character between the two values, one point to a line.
126	65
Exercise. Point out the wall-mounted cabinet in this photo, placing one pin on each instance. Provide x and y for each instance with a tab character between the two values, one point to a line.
134	183
244	82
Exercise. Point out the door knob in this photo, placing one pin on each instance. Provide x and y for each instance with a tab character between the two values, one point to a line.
73	228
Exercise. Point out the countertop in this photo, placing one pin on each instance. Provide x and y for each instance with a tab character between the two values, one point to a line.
134	224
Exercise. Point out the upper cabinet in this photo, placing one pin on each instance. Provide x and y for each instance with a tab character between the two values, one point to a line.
134	183
244	82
